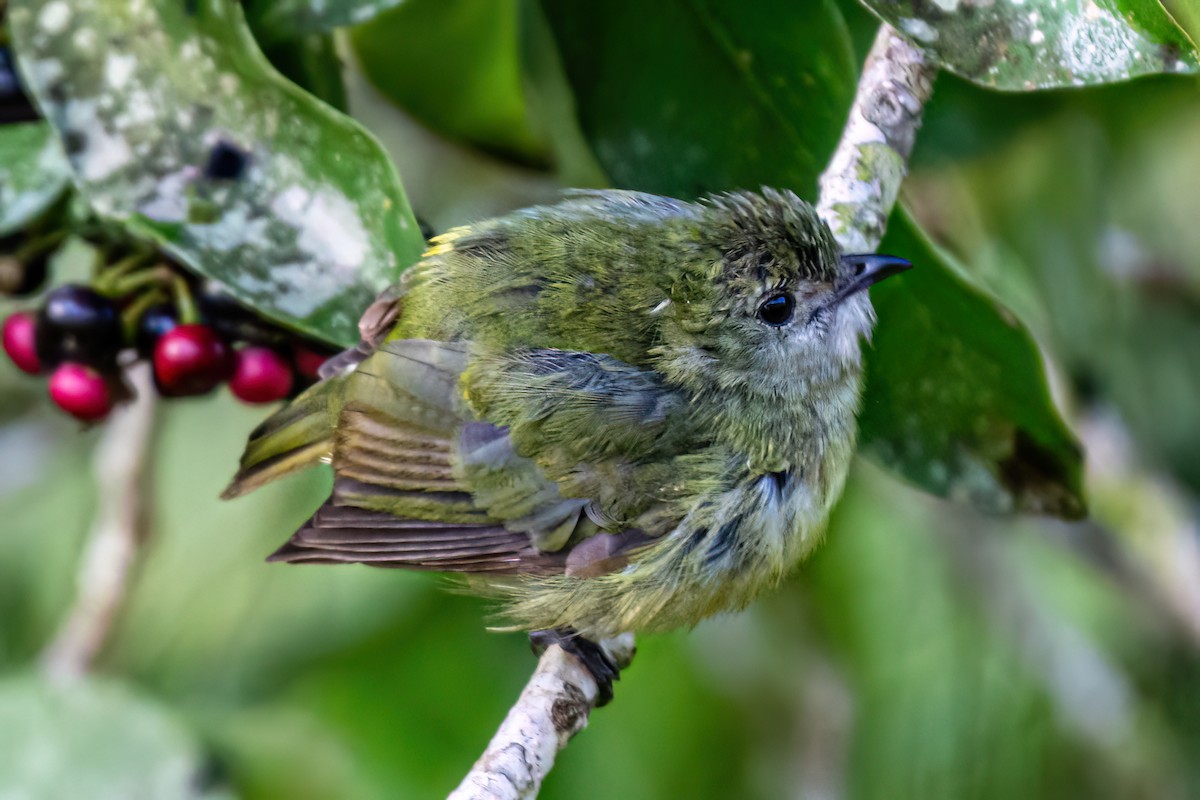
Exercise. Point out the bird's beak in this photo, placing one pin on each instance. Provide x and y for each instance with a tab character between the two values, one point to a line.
868	269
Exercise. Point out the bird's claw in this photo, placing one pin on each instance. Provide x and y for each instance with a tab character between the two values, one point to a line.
593	656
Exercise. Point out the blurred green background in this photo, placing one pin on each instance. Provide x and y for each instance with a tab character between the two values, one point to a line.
927	650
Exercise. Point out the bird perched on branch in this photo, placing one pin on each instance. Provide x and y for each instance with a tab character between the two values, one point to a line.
622	412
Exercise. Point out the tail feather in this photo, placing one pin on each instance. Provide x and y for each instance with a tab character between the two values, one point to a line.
297	436
344	534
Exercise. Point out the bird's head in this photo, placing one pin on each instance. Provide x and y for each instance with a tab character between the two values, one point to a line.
769	303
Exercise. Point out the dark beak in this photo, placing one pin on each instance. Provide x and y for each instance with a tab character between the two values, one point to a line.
868	269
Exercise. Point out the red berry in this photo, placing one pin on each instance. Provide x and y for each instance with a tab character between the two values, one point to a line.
80	391
20	335
260	375
308	361
189	360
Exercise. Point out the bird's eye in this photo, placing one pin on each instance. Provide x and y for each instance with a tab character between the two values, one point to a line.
777	309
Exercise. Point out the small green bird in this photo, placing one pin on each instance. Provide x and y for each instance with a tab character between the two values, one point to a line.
622	412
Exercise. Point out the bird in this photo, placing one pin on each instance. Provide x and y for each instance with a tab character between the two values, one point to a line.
617	412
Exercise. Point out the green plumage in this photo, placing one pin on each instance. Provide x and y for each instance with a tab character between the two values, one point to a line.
585	408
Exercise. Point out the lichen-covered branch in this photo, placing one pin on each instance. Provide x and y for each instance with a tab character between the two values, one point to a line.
553	707
860	185
111	549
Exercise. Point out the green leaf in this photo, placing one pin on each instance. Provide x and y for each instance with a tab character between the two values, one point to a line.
964	120
285	19
454	65
305	221
312	63
684	97
1085	226
1186	14
551	103
1041	44
956	400
93	739
33	173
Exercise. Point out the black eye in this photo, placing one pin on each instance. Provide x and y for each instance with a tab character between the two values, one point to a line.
777	309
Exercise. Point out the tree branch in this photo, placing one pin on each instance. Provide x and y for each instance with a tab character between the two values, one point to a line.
117	530
553	707
858	191
861	183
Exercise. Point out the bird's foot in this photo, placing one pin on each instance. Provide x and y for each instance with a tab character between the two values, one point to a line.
592	654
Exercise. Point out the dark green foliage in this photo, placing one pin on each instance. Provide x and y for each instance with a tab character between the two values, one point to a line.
311	229
926	650
688	97
956	401
466	52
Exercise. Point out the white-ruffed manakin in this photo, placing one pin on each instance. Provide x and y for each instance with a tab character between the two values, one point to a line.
621	412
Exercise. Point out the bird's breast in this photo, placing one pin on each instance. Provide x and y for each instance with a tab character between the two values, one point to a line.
767	523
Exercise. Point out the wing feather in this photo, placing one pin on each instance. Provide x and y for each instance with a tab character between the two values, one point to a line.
429	475
344	534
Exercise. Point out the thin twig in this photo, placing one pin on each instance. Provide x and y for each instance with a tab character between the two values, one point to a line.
553	707
861	183
111	550
858	191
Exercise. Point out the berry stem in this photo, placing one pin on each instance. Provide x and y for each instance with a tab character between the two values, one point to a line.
38	245
185	304
159	276
126	276
133	312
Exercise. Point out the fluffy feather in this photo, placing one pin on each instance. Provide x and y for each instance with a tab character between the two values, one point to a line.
580	406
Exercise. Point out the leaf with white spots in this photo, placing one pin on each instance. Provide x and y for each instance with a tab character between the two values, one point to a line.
33	173
284	19
176	126
311	62
1041	44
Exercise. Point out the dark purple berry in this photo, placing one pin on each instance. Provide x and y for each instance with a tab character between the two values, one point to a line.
260	375
190	360
19	335
152	325
81	391
78	324
14	104
231	319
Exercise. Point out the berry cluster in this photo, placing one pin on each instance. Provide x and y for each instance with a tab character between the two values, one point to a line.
139	306
14	103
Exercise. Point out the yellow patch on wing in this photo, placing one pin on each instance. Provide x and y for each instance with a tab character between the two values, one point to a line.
444	243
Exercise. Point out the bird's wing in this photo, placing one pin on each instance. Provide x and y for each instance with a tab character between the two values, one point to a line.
450	460
301	433
596	426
